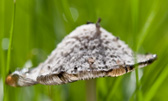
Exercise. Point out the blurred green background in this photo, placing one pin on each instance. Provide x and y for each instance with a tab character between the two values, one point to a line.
31	29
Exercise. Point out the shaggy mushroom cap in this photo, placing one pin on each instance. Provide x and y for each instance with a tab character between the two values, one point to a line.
87	52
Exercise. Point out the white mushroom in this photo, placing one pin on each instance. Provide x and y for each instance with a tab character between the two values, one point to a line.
87	52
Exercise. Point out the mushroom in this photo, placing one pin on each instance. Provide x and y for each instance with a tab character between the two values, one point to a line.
87	52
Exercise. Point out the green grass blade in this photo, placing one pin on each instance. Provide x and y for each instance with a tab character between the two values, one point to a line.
153	90
9	51
10	39
135	10
148	23
145	29
2	55
113	89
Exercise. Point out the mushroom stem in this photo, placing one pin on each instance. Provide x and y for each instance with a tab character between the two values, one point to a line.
91	90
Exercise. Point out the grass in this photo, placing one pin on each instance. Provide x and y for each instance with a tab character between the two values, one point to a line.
40	25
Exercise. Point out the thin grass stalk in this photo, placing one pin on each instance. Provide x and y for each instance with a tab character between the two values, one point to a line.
2	55
113	89
153	90
10	39
142	35
135	32
9	49
144	31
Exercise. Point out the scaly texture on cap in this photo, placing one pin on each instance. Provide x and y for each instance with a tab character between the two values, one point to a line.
87	52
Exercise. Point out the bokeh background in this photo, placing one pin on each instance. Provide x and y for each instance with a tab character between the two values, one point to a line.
31	29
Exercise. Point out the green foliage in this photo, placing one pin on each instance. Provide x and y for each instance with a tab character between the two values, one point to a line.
37	26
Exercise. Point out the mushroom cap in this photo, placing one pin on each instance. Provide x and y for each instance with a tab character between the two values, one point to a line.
87	52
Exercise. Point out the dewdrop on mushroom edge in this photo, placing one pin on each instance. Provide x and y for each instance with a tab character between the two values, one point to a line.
87	52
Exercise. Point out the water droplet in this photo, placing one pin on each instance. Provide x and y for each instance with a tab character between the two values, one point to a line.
74	13
5	43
